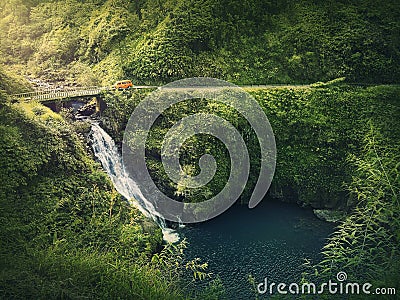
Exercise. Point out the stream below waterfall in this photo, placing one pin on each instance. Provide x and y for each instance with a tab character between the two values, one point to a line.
272	240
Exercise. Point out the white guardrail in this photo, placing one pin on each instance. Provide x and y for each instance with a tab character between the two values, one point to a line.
51	94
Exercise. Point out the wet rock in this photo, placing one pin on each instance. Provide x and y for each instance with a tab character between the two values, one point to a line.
87	109
329	215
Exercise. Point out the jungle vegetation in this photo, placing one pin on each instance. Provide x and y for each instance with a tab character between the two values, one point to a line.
66	233
338	148
244	42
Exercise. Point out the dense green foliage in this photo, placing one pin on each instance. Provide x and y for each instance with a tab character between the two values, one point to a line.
65	232
316	130
246	42
366	244
10	83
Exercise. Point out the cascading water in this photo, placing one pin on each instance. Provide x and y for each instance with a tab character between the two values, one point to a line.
107	153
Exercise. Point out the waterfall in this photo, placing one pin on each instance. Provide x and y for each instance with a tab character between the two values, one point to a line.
107	153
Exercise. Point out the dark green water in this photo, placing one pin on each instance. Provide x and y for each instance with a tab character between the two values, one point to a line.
272	240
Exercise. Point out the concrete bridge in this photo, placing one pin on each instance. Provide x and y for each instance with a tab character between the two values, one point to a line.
57	98
51	95
66	94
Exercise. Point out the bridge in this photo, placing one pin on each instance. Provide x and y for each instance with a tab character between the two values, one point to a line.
57	94
71	93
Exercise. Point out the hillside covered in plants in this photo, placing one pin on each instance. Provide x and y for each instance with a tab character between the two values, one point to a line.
245	42
65	232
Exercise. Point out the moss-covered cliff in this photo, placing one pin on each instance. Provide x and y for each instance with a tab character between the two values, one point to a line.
317	129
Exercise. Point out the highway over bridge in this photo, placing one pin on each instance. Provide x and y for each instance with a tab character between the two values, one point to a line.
57	98
66	94
58	94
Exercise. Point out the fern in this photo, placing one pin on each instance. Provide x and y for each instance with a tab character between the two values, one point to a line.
366	244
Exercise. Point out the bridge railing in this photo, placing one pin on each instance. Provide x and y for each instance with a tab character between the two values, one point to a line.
57	93
49	94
